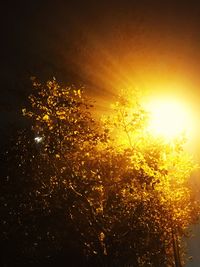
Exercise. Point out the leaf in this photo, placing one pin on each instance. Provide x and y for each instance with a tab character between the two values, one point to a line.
45	117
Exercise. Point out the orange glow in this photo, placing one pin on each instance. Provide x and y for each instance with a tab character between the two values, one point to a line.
170	118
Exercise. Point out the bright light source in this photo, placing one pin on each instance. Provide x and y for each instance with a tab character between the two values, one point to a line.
38	139
169	118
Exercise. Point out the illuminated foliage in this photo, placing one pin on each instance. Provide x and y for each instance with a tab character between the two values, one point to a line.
121	195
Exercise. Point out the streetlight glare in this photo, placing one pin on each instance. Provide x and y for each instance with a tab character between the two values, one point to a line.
169	118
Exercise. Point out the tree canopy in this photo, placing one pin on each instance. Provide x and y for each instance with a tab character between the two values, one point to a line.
104	189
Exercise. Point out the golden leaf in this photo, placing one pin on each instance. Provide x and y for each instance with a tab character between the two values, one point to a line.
45	117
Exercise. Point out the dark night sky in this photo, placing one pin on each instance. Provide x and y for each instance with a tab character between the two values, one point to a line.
99	44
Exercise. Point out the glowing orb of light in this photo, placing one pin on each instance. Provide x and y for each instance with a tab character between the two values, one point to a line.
38	139
169	118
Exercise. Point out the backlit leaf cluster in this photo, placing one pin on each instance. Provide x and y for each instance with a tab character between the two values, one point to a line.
125	194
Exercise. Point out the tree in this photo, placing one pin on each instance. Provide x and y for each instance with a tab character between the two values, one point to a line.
123	195
160	172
